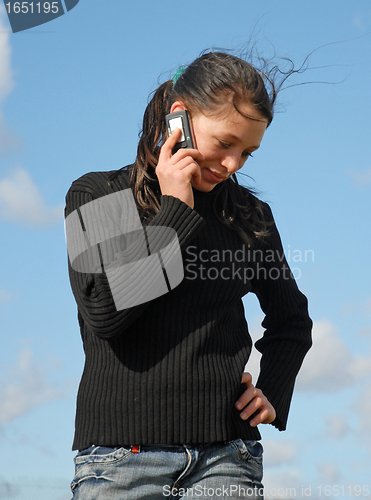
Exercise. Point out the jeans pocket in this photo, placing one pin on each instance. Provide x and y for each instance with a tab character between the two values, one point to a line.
100	455
249	451
251	454
93	463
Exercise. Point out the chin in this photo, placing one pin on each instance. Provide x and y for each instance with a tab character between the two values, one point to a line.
207	183
204	186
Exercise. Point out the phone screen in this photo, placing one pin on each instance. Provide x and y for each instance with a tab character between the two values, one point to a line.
177	122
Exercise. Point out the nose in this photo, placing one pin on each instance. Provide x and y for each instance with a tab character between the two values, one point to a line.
231	163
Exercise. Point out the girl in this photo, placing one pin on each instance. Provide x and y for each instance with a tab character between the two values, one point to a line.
164	408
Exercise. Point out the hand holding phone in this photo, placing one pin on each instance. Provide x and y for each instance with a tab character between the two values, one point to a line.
180	119
177	173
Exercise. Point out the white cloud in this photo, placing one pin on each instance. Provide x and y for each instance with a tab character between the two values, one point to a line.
361	178
277	453
329	473
6	75
337	426
329	365
365	332
363	408
27	388
8	139
21	202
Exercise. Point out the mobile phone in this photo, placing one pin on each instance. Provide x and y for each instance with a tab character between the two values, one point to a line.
180	119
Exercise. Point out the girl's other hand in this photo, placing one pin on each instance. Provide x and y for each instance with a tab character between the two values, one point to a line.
253	400
176	172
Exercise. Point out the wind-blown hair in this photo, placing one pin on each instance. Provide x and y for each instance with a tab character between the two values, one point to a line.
207	84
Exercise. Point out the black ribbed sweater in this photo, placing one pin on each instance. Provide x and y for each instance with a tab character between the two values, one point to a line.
169	371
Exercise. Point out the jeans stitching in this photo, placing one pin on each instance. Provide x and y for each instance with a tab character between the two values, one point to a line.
178	481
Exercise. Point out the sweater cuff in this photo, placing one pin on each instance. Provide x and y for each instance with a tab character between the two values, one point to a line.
277	377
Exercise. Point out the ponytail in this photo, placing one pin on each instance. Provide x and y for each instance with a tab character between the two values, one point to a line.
143	179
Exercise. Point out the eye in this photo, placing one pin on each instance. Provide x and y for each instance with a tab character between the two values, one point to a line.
224	145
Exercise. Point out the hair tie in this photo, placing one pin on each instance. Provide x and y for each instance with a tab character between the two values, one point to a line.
177	73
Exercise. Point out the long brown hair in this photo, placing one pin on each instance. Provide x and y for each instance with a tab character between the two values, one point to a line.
203	86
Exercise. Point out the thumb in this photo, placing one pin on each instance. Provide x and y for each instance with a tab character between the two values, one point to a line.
246	378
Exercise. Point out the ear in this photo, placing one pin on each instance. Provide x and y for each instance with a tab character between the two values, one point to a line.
177	106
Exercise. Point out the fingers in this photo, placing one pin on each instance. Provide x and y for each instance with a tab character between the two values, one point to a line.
176	173
261	410
194	154
250	392
180	172
253	401
265	416
167	149
187	161
257	403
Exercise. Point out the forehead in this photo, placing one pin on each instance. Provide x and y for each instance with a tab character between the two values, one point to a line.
233	110
246	124
227	101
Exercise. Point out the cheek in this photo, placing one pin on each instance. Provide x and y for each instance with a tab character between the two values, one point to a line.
208	152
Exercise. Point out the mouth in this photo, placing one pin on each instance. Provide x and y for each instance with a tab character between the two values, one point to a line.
215	176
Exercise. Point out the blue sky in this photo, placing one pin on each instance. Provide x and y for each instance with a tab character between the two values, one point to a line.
72	96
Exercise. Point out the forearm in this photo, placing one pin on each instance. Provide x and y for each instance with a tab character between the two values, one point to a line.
287	324
93	292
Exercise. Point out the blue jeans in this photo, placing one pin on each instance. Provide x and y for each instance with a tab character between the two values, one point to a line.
219	470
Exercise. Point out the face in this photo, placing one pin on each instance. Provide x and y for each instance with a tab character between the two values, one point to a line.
225	140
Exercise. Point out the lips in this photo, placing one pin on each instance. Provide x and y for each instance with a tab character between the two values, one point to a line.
217	177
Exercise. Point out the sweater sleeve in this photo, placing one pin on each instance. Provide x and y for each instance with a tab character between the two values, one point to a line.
92	292
287	336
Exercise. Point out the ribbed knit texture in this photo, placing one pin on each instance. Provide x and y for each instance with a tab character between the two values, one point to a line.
169	371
